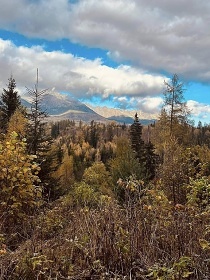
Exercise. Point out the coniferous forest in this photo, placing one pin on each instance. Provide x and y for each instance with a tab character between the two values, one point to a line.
103	200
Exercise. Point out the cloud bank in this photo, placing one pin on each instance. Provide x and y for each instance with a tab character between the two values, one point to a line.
153	35
82	77
198	110
156	37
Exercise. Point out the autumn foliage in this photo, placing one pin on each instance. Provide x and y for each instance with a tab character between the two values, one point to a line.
111	205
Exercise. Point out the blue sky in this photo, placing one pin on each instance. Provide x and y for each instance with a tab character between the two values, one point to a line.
114	53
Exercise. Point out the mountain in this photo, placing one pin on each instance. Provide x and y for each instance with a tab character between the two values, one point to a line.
123	116
62	106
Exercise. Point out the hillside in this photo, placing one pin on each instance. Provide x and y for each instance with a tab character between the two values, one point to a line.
62	106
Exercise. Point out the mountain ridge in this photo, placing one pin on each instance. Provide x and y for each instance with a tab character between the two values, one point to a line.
110	112
63	106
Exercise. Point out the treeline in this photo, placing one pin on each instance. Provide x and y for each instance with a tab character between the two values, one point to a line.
103	201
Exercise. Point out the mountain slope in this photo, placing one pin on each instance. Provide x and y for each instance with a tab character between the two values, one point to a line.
124	116
62	106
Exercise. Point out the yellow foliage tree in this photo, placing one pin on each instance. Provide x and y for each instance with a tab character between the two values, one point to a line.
19	190
98	178
17	123
66	173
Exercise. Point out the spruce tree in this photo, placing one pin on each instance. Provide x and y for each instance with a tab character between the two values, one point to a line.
37	119
9	102
137	143
144	151
40	143
151	160
93	137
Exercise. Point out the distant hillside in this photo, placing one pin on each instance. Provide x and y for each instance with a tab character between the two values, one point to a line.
129	120
121	119
62	106
116	112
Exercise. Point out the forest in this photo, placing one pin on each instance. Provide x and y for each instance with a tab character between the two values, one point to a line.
103	200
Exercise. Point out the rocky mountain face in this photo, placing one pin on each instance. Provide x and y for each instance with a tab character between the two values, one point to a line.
62	106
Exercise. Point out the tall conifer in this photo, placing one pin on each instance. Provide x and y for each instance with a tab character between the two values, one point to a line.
144	152
9	102
40	143
137	143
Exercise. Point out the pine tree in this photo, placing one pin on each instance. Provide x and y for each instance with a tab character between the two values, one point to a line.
137	143
9	102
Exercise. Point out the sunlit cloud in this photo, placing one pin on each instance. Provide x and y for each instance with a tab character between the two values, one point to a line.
143	41
82	77
199	110
160	35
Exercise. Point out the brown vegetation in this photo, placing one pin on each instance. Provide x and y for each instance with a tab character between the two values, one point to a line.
102	209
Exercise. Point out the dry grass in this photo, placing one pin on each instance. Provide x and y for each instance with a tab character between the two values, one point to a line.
143	237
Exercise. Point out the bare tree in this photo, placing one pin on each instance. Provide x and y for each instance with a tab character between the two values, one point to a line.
174	102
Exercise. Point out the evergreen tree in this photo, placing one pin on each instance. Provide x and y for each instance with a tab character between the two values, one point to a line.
9	102
151	160
37	139
144	152
137	143
55	130
110	133
93	135
40	143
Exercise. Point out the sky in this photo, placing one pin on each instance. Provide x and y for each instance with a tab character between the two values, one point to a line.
115	53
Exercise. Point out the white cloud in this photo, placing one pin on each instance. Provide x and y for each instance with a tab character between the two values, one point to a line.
155	34
65	72
150	105
199	110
